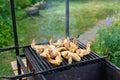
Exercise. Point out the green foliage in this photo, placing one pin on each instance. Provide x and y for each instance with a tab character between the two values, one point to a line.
117	22
20	14
21	4
116	58
108	41
5	32
4	7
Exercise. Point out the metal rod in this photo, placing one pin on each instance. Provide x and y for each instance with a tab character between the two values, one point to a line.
22	64
6	49
12	48
18	76
15	34
67	18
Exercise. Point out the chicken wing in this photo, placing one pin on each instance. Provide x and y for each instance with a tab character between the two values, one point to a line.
54	51
65	54
75	40
70	56
88	48
51	41
61	49
74	56
38	48
57	60
80	52
73	47
59	43
66	43
83	52
46	51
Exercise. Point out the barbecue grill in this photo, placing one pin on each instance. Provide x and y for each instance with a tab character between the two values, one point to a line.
91	67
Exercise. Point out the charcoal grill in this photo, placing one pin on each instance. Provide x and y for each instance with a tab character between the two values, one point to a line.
91	67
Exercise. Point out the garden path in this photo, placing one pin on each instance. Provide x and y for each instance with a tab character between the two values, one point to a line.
91	33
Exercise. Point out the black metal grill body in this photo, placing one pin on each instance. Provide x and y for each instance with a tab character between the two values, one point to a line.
96	71
92	67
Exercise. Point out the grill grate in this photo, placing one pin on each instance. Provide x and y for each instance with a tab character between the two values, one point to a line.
41	64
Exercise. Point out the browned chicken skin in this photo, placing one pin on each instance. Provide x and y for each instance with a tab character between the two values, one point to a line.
57	61
73	47
38	48
83	52
74	56
66	43
75	40
51	41
70	56
57	44
43	54
65	54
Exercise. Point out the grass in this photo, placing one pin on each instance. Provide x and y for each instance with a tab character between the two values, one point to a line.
5	66
83	16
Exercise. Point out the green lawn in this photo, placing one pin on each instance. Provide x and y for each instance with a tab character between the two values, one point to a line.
83	16
5	65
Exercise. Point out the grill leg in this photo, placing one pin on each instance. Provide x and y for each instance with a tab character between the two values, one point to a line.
19	69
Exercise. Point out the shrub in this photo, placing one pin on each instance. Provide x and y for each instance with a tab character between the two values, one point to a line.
20	4
5	32
108	42
4	7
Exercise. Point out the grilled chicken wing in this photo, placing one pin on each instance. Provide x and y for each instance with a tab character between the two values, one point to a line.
73	47
51	41
75	40
46	51
70	60
65	54
54	51
59	43
66	43
38	48
80	52
88	48
74	56
61	49
83	52
57	60
70	56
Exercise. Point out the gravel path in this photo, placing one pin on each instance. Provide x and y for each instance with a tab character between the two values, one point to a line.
91	33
